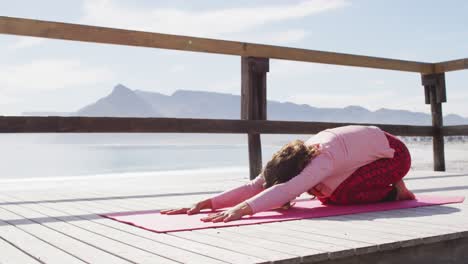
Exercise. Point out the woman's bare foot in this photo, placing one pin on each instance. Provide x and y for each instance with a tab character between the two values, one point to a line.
402	192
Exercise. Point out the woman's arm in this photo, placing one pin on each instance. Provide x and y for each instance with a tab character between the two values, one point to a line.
227	198
277	195
318	169
238	194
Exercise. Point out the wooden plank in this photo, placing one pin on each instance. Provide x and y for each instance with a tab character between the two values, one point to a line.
453	65
191	246
122	233
403	219
438	137
439	186
459	130
59	240
436	82
10	254
423	233
366	223
82	219
206	182
22	124
34	246
159	247
305	254
277	228
435	94
386	241
195	236
359	247
451	251
391	240
76	32
315	244
75	227
406	236
383	232
382	237
413	227
437	215
160	243
253	88
254	105
335	229
136	204
258	253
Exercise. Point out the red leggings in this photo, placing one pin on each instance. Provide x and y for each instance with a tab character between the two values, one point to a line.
373	182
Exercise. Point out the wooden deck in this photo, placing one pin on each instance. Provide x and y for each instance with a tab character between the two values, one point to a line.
56	221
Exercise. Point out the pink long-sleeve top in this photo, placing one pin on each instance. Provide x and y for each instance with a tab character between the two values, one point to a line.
342	151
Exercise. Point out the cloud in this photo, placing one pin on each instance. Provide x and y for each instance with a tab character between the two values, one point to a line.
276	37
378	82
25	42
5	99
46	75
230	85
288	36
221	23
213	23
178	68
288	69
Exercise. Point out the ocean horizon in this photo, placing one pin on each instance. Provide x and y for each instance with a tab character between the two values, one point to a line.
68	156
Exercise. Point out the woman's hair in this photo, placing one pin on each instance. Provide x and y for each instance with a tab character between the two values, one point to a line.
287	162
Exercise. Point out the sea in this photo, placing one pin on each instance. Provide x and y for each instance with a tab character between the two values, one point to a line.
76	155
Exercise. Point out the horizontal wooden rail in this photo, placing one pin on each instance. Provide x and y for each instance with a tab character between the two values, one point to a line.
460	130
16	124
454	65
67	31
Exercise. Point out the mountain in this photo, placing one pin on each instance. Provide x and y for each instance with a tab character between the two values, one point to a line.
124	102
121	102
193	104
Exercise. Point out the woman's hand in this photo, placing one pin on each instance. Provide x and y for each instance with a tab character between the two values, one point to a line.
194	209
232	214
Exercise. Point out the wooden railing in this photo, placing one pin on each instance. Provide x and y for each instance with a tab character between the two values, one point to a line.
254	67
55	124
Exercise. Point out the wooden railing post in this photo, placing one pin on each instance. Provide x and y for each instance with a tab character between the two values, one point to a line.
435	94
253	104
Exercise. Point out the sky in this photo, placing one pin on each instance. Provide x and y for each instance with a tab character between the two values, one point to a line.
63	76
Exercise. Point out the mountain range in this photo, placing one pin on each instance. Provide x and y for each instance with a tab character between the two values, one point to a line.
125	102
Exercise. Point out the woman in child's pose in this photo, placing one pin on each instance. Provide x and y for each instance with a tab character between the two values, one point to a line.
344	165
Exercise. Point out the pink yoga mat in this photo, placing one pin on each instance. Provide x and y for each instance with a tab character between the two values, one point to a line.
304	208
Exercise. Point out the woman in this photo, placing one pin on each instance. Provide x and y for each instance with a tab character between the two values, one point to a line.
344	165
